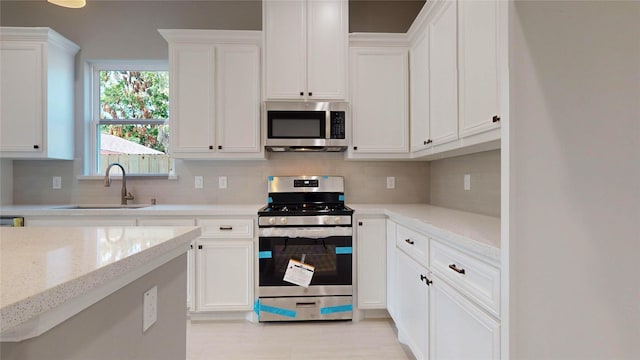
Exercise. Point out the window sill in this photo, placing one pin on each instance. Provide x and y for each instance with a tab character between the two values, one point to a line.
129	177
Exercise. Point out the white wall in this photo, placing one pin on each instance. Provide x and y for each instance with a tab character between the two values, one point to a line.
575	170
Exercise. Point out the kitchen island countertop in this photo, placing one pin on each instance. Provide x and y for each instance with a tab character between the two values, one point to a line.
50	274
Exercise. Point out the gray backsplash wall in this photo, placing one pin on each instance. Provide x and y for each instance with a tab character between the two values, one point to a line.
447	183
365	181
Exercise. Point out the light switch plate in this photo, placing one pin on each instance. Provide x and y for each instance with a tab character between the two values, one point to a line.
199	182
391	182
149	308
222	182
467	181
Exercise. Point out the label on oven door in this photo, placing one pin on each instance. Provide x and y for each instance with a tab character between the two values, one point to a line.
299	273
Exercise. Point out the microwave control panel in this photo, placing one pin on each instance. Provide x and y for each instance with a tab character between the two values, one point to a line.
337	125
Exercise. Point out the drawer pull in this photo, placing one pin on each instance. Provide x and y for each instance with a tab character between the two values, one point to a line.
409	241
306	304
455	268
226	228
423	278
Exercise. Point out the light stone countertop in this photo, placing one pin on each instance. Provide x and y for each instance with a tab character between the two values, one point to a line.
151	210
477	233
64	270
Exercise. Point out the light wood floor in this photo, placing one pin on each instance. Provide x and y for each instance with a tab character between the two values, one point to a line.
367	339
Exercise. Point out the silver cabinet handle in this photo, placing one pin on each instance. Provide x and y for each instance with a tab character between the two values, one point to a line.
226	228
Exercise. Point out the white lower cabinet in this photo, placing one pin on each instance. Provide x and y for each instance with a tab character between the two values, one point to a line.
441	315
224	263
413	305
224	275
371	260
56	221
459	328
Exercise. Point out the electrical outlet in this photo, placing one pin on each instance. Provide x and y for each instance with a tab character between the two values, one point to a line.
56	183
391	182
199	182
222	182
149	308
467	181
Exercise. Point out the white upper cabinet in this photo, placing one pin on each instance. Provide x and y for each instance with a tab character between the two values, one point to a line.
214	80
479	66
37	86
380	101
419	92
306	44
443	74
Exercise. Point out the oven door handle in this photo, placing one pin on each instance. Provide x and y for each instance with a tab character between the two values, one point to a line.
310	233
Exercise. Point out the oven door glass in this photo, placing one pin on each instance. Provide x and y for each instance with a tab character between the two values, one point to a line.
331	257
296	125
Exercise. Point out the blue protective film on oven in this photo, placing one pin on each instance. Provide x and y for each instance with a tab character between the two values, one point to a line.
341	197
325	177
269	200
277	310
265	255
270	178
335	309
341	250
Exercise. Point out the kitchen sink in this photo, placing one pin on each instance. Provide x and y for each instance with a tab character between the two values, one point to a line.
103	207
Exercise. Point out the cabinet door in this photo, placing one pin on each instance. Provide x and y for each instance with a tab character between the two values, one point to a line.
379	100
479	65
327	44
285	49
413	305
371	258
443	73
238	98
459	329
192	99
22	87
224	275
419	66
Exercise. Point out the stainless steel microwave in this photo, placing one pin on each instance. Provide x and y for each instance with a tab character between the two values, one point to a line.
306	126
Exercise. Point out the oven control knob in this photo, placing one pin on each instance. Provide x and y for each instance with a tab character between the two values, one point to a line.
283	220
272	221
336	220
326	220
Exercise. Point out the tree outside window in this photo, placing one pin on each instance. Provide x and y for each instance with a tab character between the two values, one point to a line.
133	111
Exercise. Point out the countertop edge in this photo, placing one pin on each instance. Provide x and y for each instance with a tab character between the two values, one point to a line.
37	314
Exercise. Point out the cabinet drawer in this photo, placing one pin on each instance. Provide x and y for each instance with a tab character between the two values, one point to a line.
413	244
475	278
226	228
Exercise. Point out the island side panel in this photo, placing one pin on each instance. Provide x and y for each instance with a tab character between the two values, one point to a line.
112	328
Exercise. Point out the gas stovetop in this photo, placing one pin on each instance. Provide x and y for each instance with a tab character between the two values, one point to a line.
305	210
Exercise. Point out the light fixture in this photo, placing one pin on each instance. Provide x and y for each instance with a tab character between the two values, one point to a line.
74	4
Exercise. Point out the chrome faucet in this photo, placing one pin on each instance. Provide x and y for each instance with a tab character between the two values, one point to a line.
124	196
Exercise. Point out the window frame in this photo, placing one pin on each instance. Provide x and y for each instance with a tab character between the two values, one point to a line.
94	120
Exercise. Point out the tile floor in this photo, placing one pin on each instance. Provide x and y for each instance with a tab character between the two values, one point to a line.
367	339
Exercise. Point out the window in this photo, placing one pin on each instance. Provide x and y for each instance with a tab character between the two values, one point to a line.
130	113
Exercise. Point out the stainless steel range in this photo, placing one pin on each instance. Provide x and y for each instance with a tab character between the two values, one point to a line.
305	230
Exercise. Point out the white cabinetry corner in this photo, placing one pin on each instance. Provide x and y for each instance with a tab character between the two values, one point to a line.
379	73
445	302
459	76
371	260
306	45
37	86
224	265
214	79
